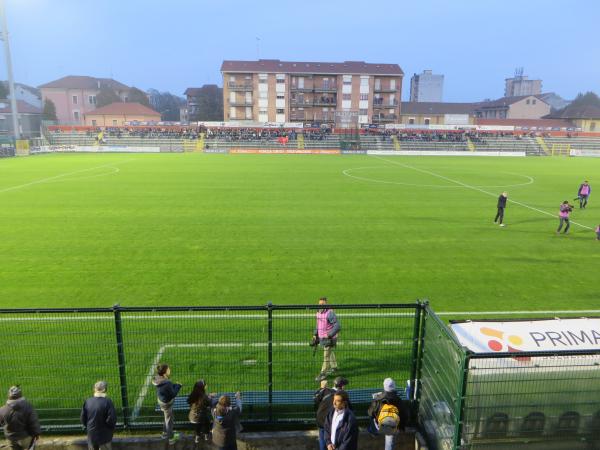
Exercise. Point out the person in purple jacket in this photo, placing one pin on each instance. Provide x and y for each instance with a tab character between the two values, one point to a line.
563	215
583	193
326	334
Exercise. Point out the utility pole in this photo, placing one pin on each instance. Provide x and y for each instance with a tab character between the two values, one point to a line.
11	81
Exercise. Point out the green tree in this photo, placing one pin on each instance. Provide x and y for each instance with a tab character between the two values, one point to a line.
106	96
49	112
587	99
210	104
3	90
138	96
166	104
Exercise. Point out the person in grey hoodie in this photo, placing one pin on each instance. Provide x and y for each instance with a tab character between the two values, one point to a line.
166	391
227	422
99	418
19	420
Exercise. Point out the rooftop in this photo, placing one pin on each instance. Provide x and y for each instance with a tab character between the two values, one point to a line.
277	66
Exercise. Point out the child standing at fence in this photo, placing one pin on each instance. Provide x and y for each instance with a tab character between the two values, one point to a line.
166	391
200	406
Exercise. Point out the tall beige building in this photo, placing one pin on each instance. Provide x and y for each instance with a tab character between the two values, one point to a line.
350	94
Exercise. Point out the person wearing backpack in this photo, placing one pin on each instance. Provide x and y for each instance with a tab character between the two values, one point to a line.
323	401
387	413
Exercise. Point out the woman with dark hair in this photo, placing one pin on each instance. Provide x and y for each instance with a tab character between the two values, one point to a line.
227	422
200	405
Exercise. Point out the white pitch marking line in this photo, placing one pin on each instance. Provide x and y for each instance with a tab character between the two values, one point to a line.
468	186
347	173
44	180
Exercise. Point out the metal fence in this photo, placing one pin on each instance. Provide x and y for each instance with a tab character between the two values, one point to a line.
533	400
57	355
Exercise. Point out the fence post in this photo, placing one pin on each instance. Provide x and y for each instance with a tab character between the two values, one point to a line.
270	358
460	406
417	349
121	357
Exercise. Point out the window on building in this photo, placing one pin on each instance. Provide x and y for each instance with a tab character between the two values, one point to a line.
346	96
262	77
533	101
280	111
364	96
427	120
114	122
527	101
74	99
392	84
347	79
364	81
411	120
92	99
232	78
93	122
593	126
76	115
262	94
363	112
280	96
377	84
280	80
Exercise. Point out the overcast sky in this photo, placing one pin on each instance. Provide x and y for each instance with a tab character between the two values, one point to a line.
175	44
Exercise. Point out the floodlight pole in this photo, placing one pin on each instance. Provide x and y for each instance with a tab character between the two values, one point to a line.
11	81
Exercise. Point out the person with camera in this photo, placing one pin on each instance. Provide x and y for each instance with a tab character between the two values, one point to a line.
563	215
325	335
583	193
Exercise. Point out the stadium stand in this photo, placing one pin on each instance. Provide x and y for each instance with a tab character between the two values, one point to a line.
182	138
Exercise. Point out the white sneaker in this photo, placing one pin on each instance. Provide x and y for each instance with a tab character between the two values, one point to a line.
502	225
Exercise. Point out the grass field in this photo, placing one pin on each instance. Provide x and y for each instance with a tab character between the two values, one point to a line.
194	229
213	230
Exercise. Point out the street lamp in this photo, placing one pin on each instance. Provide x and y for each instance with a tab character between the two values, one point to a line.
11	82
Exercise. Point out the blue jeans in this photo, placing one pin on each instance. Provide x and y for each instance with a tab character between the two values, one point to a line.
322	445
390	441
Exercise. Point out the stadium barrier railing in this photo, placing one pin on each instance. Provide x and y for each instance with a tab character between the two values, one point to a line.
56	355
478	401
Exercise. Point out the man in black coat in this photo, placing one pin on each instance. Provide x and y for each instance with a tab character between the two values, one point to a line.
341	429
19	420
99	417
501	205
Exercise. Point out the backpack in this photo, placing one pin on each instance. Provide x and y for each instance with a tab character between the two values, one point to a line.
388	419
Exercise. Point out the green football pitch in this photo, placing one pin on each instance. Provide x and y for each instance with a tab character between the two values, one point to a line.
216	230
207	229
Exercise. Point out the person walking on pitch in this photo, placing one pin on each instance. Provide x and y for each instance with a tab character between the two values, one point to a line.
583	193
563	215
501	205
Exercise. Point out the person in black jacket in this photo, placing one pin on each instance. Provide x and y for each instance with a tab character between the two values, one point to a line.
19	420
323	402
341	429
166	391
99	418
501	205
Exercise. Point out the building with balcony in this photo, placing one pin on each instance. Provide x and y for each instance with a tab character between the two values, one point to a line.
346	94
